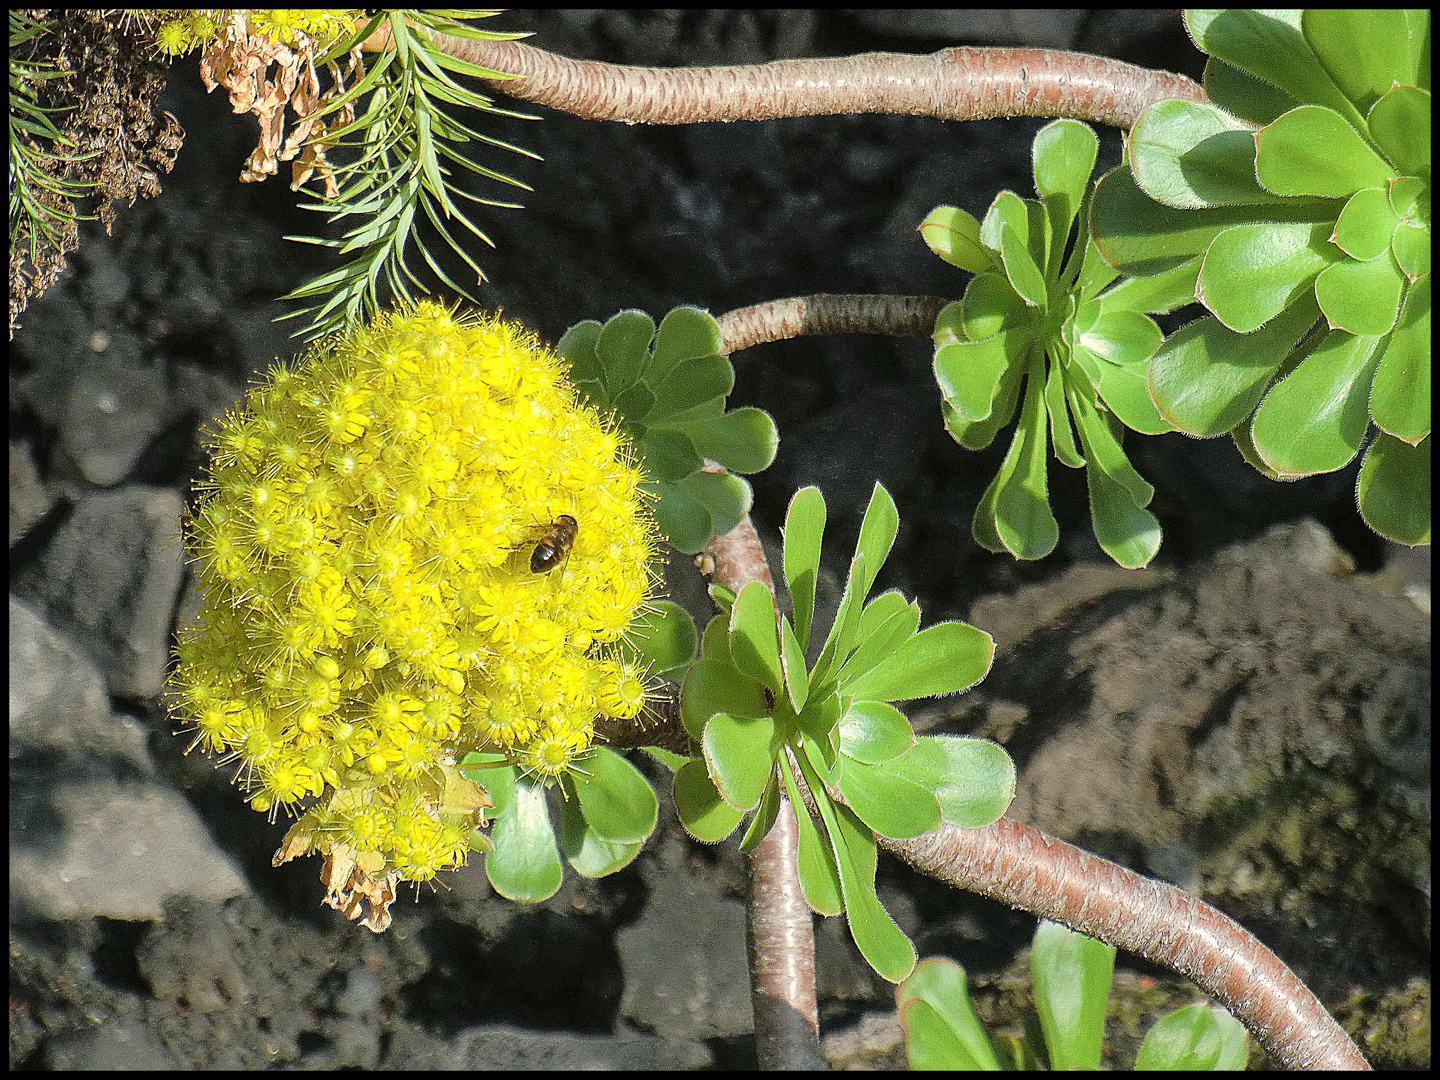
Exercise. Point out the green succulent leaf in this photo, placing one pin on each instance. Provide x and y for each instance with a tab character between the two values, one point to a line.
662	637
815	861
764	816
974	779
577	345
1393	490
714	686
1017	504
1072	984
744	440
804	528
1021	269
638	400
942	1030
882	943
877	535
1361	297
726	498
1400	125
614	797
990	305
590	854
954	235
886	623
1314	420
624	348
1312	151
715	643
754	641
941	659
1364	227
525	865
1162	292
874	732
1253	272
686	333
692	383
1121	344
684	519
1194	1038
703	811
1400	395
969	373
1062	436
1189	156
1126	531
1206	379
841	640
887	802
740	755
792	661
1063	156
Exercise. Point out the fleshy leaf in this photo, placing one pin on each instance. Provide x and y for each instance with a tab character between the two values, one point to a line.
954	235
740	754
974	779
1393	490
875	731
804	529
525	864
1314	420
617	800
754	640
887	802
704	813
1072	985
942	1030
941	659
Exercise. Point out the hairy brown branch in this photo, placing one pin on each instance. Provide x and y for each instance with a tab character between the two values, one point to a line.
800	316
952	84
1025	868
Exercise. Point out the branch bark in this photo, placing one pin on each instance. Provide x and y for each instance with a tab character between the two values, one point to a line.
952	84
780	936
800	316
1029	870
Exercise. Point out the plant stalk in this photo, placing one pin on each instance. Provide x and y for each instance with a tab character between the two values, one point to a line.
780	935
1027	869
962	83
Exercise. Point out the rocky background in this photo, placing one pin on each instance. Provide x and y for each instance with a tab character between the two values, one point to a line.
1249	718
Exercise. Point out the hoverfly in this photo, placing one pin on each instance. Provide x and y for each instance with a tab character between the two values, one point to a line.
553	548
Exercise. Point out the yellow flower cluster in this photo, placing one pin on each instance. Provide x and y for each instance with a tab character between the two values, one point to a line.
184	29
370	608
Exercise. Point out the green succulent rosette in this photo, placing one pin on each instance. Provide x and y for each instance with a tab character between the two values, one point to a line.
1296	209
667	390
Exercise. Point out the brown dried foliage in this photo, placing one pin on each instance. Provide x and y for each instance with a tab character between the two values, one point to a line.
241	62
105	102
